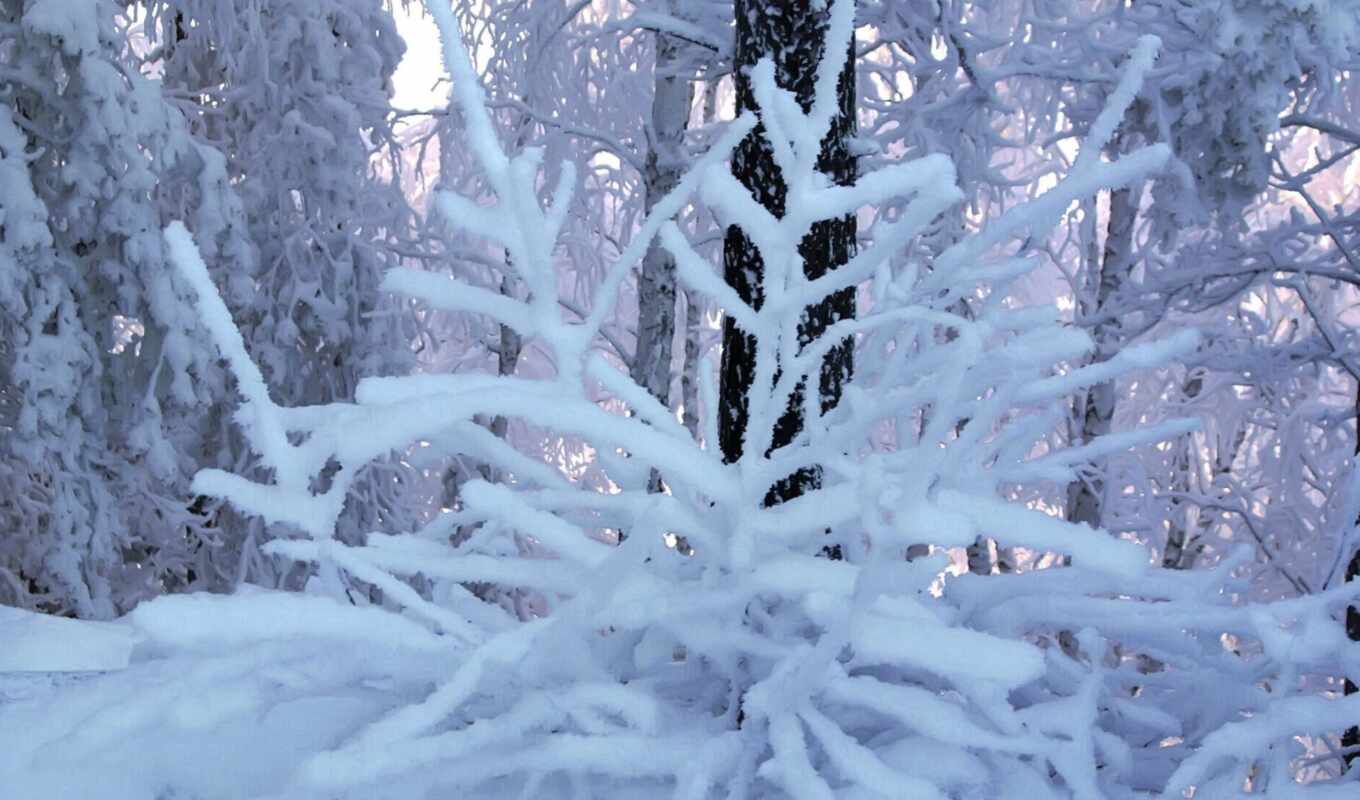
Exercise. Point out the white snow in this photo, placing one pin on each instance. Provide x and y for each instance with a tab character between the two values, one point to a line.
547	636
31	642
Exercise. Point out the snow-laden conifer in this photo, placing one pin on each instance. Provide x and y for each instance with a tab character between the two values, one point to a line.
106	371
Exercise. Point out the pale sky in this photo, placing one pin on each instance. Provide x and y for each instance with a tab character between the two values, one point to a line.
414	82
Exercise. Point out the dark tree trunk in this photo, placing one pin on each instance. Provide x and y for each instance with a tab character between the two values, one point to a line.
793	34
1351	738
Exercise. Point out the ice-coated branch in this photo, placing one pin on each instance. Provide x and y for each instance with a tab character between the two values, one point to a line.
1117	104
447	294
259	414
662	213
529	237
290	500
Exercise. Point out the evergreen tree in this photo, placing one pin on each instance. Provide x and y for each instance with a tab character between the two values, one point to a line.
105	371
297	96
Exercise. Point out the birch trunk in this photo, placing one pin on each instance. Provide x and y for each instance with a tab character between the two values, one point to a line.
1095	411
689	383
1180	536
694	307
792	34
671	101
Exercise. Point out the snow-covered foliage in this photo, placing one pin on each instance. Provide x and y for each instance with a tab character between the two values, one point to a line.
713	650
1233	68
1007	88
1234	72
1224	101
296	95
105	368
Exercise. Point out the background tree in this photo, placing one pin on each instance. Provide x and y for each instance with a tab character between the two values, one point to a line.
864	677
296	95
105	375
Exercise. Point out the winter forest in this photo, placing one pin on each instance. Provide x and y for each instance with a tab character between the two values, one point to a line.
695	399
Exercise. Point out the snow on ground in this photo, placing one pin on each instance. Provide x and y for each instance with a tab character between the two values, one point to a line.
41	653
31	642
183	699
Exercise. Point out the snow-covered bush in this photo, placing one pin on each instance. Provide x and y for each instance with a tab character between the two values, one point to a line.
713	651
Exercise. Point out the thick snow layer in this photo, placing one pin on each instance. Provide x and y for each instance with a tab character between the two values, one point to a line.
210	696
210	729
32	642
214	623
67	22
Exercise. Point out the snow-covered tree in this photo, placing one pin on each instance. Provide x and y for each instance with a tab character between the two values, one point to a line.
296	95
520	644
746	664
105	375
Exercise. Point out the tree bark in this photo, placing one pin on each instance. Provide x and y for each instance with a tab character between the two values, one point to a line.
793	34
689	373
1085	499
1351	738
671	100
507	357
694	305
1180	534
